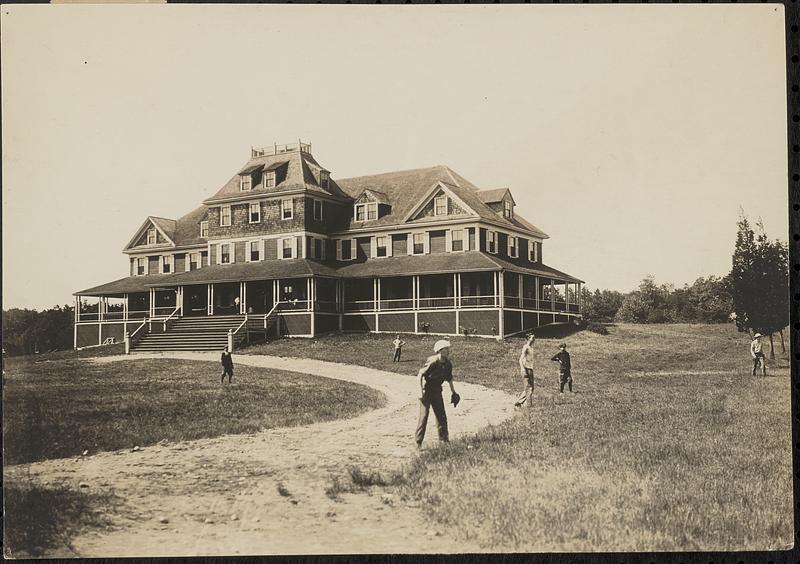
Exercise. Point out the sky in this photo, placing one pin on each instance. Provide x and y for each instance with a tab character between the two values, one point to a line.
631	134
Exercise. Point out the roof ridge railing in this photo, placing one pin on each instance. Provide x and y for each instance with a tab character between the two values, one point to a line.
277	149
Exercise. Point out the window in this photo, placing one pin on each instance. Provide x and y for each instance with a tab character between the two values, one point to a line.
287	210
491	241
418	243
346	249
533	251
151	236
440	205
225	253
269	178
255	212
382	246
287	247
318	210
245	182
167	262
204	229
513	246
254	251
225	216
367	212
508	209
141	266
323	178
194	261
317	248
457	240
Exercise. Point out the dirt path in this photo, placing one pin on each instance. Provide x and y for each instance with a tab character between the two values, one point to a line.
233	481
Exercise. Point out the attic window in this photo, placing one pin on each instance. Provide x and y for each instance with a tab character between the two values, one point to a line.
366	212
245	182
440	205
151	236
204	229
324	176
508	209
269	178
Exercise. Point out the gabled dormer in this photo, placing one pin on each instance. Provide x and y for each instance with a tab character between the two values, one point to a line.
500	201
370	206
440	203
155	233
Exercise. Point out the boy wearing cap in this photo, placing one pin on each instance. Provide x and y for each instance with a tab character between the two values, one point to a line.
757	354
564	366
437	370
526	369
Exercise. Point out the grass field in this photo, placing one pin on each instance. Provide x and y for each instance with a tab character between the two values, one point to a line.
61	405
668	444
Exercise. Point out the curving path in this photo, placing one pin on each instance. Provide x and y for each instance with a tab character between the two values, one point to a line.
220	496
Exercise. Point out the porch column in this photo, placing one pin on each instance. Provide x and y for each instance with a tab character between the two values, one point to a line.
77	309
152	311
552	295
501	288
340	298
580	299
536	288
179	300
519	289
125	308
210	299
312	299
77	319
242	298
494	280
458	289
415	301
377	294
276	288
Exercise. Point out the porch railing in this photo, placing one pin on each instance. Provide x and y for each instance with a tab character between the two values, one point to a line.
111	315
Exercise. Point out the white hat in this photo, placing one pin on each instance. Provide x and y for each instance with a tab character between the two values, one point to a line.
441	344
757	335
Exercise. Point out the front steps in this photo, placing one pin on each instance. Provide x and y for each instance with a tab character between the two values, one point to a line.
191	334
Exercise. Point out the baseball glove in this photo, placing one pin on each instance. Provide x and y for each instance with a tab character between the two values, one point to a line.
455	398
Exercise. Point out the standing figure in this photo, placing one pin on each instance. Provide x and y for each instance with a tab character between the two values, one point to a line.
437	370
564	366
758	354
398	348
227	365
526	370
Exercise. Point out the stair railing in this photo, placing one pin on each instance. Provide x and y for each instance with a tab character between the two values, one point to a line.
132	338
232	333
170	317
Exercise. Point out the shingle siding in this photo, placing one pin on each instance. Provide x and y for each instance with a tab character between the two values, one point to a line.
271	220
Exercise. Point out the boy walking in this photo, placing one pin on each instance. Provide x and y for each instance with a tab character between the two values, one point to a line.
564	366
398	348
526	370
227	365
757	354
437	370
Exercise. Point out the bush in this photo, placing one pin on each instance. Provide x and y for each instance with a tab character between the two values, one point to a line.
598	328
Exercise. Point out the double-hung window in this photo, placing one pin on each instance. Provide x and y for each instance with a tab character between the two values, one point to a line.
382	246
366	212
440	205
167	264
269	179
323	178
204	229
508	209
318	210
418	243
346	249
193	262
491	241
254	251
255	212
225	216
513	246
141	266
287	247
245	182
151	236
287	209
457	240
225	253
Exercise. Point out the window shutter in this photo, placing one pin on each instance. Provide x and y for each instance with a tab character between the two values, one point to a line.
219	254
353	249
339	249
261	249
427	242
389	246
247	251
323	244
449	241
373	247
187	262
294	247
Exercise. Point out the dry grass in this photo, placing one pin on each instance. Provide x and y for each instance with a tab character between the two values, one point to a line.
62	407
668	444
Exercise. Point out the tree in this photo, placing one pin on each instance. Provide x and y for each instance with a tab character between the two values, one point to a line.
647	304
599	305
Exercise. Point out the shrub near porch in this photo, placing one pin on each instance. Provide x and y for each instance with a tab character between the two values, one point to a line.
669	443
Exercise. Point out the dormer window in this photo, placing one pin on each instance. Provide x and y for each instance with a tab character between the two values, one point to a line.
204	229
151	236
366	212
269	179
245	182
225	216
440	205
255	212
508	209
323	178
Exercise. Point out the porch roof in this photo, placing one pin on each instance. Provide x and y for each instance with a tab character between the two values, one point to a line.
419	264
127	285
537	270
239	272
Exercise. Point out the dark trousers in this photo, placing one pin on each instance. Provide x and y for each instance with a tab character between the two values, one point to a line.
566	378
227	371
759	358
426	402
397	355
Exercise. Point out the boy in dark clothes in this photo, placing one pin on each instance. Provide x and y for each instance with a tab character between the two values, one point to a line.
227	365
564	367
